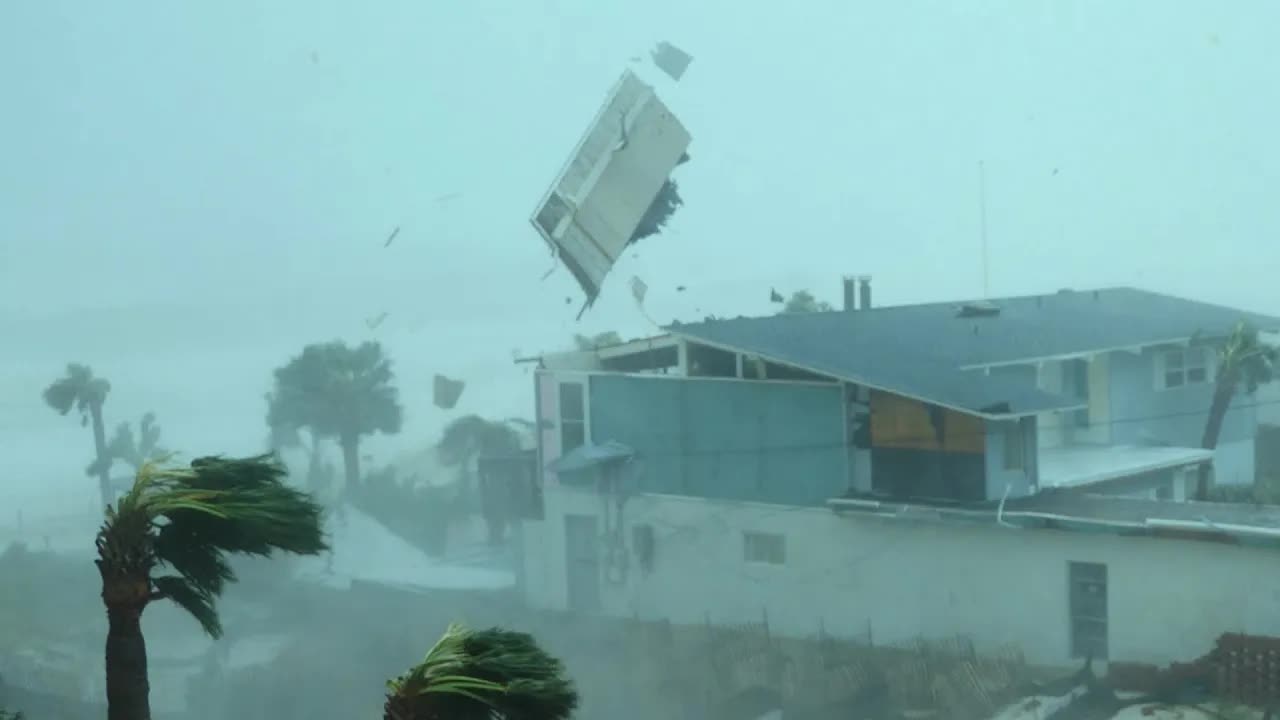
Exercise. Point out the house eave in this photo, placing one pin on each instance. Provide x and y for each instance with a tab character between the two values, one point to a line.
1135	349
874	386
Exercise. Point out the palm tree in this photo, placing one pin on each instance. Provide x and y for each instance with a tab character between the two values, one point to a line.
189	520
338	391
469	437
79	389
478	675
137	451
283	436
1243	359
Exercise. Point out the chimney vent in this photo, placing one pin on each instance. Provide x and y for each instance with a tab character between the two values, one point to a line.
864	292
848	293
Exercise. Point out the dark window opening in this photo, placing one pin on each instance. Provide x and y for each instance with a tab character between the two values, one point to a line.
652	360
573	416
1087	585
710	362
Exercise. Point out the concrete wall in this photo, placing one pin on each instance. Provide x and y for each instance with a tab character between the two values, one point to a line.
1142	414
1168	599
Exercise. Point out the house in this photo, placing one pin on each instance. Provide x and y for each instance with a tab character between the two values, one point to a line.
1016	470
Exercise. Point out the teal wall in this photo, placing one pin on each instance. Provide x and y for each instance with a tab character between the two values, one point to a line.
758	441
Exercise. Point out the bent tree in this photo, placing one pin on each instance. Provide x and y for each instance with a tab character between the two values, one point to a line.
1244	361
483	674
188	521
79	389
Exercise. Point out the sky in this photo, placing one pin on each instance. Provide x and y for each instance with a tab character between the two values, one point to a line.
191	192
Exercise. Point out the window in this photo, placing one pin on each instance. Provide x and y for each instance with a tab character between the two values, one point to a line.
1164	491
766	548
1087	585
1014	449
1189	366
573	416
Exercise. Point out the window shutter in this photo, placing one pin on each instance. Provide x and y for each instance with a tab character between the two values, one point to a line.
1158	364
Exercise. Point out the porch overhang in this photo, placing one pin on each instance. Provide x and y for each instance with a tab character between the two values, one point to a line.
1085	465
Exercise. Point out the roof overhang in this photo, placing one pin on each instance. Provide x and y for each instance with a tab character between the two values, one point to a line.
1081	466
1203	529
1013	415
1083	354
609	351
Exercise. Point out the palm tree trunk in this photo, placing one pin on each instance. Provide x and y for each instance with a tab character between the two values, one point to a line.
128	690
313	463
351	460
100	447
1223	390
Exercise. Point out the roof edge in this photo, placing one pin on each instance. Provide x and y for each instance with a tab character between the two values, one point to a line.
859	381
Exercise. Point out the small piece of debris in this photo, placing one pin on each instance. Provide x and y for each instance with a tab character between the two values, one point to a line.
671	60
315	57
679	288
775	296
638	290
445	392
375	321
1055	171
448	196
391	237
568	301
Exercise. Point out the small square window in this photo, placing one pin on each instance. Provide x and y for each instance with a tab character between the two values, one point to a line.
1189	366
764	548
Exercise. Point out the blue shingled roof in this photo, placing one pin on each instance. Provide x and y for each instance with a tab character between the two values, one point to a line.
929	353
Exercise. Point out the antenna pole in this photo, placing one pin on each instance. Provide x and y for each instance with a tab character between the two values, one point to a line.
982	215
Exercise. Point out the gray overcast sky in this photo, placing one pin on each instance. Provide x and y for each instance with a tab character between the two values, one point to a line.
191	191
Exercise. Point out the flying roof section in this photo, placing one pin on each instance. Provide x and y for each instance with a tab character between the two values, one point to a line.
596	204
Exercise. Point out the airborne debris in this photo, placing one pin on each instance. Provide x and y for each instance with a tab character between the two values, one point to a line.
445	391
638	290
671	60
391	237
374	322
616	187
775	296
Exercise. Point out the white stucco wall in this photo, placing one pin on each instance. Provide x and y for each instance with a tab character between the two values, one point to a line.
1168	599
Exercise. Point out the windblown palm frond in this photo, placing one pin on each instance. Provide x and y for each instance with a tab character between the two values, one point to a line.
191	519
1246	358
77	389
476	675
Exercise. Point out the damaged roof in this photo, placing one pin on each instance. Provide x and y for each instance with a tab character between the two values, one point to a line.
936	352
